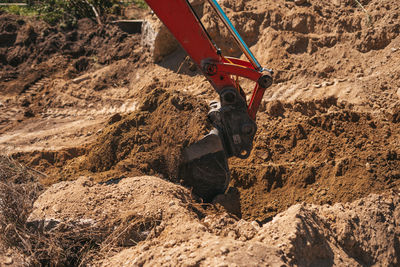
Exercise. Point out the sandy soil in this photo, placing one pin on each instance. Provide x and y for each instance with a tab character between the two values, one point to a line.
89	101
170	229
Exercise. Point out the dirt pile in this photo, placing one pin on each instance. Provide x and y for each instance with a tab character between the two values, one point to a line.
117	214
36	59
361	233
318	36
148	141
151	140
328	132
180	233
319	152
316	48
33	49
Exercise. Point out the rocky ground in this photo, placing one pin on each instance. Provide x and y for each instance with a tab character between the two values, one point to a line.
319	189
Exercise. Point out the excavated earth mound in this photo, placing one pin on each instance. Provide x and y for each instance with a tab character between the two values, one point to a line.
165	226
31	50
319	152
148	141
36	59
328	130
86	101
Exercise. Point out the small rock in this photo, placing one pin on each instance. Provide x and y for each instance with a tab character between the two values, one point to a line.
224	250
263	155
317	85
8	261
394	49
56	208
255	225
80	79
114	118
86	181
9	253
170	244
398	93
368	167
327	83
336	2
275	108
300	2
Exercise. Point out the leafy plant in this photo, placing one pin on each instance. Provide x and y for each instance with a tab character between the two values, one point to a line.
20	10
68	11
140	3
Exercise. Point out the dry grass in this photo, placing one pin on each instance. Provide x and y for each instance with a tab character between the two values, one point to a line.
367	15
127	231
63	244
18	191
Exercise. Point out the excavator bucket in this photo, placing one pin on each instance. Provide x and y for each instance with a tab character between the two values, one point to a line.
205	163
205	167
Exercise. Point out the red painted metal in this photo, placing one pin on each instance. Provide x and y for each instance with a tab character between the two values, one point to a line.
237	61
237	70
255	101
183	24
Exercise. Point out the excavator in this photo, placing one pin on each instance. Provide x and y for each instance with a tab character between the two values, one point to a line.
204	165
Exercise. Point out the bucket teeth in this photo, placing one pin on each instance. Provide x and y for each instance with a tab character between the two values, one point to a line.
205	167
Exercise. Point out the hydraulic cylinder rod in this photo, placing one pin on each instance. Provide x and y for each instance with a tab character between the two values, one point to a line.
245	49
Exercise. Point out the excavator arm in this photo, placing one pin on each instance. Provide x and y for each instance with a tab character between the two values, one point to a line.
205	166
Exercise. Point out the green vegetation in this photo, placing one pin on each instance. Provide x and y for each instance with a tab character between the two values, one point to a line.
67	12
140	3
64	11
20	10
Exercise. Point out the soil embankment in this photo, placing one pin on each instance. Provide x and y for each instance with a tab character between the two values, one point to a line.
88	101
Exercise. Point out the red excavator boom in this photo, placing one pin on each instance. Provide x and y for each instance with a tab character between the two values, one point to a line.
180	19
205	165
